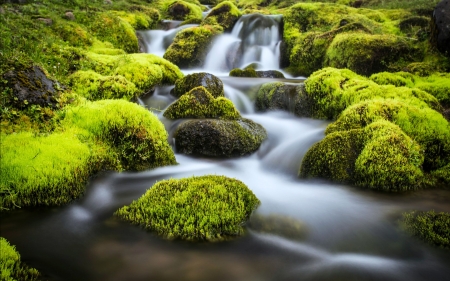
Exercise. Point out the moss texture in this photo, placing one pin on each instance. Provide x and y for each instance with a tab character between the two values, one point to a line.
211	208
11	267
199	103
248	72
182	10
225	14
431	227
191	44
280	96
219	138
211	83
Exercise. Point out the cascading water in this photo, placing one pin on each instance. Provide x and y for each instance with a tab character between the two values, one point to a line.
350	232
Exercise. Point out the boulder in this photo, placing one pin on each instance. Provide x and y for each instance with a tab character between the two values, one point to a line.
211	83
251	72
31	86
441	27
226	14
278	96
69	16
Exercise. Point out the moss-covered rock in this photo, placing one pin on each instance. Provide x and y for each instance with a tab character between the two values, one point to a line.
211	83
379	156
211	208
225	14
367	54
182	10
252	73
430	227
281	96
219	138
12	268
281	225
190	45
199	103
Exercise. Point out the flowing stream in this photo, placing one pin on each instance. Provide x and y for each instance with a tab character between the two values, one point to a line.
351	232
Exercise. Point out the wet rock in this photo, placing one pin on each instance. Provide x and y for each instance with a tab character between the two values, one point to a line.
226	14
441	27
32	87
47	21
278	225
251	72
212	83
269	74
69	16
219	138
357	4
178	10
278	96
234	53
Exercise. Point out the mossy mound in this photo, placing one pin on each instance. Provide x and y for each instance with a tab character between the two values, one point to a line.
182	10
199	103
252	73
211	208
11	267
225	14
281	96
123	76
132	135
219	138
281	225
211	83
190	46
430	227
380	156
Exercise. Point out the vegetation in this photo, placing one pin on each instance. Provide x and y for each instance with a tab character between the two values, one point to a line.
11	267
225	14
430	227
211	83
211	208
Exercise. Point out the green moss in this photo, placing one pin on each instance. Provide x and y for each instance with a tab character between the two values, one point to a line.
211	208
133	135
367	54
43	170
225	14
11	267
219	138
73	33
248	72
443	175
211	83
145	19
190	45
430	227
387	78
380	156
182	10
280	95
199	103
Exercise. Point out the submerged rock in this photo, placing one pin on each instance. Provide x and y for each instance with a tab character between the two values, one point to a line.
31	86
441	27
278	225
211	208
211	83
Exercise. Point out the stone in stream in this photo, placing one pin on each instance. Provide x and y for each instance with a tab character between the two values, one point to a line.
441	27
226	14
251	72
211	83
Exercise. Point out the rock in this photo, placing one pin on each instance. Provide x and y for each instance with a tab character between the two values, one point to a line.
211	83
357	4
178	10
32	87
226	14
278	96
108	2
69	16
47	21
281	225
219	138
2	11
441	27
251	72
269	74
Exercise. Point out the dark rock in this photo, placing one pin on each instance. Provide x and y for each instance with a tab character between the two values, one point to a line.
446	114
178	11
213	84
69	16
414	21
441	27
252	73
280	225
47	21
269	74
32	87
219	138
224	14
357	4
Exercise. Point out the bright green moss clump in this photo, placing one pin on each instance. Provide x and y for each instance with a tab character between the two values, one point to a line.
211	208
182	10
225	14
430	227
11	268
199	103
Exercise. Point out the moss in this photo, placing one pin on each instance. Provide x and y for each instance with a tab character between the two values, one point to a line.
430	227
211	83
443	175
225	14
248	72
74	34
190	45
182	10
380	156
367	54
387	78
211	208
199	103
132	135
424	125
219	138
279	95
94	86
145	19
278	225
11	267
43	170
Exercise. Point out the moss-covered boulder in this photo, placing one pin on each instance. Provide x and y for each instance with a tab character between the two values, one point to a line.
219	138
182	10
12	268
190	46
252	73
431	227
280	225
380	156
210	208
199	103
225	14
211	83
282	96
